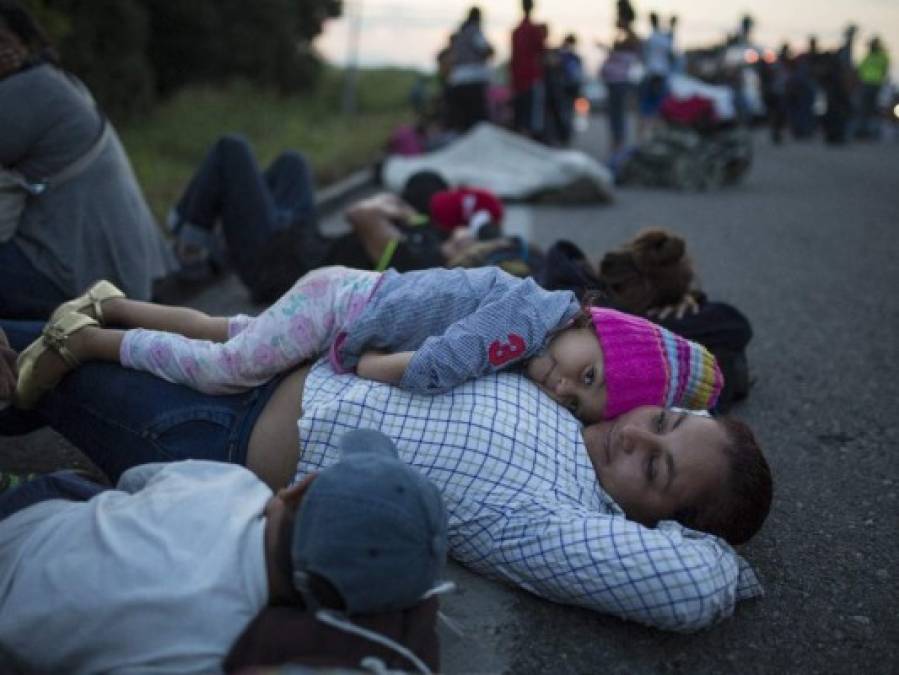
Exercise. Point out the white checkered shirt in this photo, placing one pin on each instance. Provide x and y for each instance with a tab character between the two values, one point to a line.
523	500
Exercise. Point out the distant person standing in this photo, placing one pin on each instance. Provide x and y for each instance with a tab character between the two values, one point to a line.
469	73
872	72
616	72
802	88
528	90
572	69
775	81
657	60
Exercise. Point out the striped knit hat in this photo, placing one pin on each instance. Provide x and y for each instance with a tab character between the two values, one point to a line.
646	364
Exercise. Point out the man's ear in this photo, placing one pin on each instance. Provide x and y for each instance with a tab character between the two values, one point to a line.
293	495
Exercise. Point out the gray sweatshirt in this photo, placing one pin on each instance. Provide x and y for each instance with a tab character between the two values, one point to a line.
461	323
96	225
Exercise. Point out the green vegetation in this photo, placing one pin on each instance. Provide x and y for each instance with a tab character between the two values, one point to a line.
168	143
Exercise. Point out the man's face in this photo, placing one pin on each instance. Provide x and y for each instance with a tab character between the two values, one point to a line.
653	461
571	372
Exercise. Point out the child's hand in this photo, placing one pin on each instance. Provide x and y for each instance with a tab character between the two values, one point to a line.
383	367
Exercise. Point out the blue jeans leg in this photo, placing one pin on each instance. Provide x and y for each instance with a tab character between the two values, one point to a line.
25	293
121	418
251	205
617	102
57	485
293	188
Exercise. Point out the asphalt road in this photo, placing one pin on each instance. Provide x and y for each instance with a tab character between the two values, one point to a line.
806	246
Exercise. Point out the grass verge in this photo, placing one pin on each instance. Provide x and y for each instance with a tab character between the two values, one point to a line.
166	145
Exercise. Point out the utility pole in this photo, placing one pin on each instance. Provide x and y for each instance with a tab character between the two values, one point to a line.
349	84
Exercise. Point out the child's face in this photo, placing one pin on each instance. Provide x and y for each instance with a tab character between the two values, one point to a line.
571	371
654	462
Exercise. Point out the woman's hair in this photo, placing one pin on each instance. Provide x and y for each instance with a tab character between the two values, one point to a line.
742	504
19	20
651	270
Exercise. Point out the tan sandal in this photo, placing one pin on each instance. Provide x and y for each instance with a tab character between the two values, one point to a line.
91	299
54	337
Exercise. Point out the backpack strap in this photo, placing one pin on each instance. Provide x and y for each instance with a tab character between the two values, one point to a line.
82	163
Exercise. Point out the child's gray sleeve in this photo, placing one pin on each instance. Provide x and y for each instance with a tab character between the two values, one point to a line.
503	331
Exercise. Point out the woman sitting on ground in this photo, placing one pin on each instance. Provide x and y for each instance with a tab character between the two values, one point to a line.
83	214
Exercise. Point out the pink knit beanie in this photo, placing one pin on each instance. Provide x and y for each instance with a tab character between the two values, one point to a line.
646	364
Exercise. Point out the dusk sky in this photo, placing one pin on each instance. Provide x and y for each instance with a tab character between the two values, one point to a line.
411	32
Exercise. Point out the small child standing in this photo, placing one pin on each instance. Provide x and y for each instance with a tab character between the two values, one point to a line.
426	331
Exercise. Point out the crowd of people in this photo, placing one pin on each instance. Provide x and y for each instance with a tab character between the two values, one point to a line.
550	422
795	86
803	93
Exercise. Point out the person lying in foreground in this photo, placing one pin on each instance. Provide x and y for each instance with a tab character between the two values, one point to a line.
164	572
606	516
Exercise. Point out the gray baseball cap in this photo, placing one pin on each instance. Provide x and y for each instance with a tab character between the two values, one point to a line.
372	526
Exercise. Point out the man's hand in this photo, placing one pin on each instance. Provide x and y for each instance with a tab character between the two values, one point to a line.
8	370
385	205
382	367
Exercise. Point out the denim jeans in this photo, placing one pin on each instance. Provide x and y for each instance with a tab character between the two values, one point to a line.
618	99
25	293
251	204
120	418
57	485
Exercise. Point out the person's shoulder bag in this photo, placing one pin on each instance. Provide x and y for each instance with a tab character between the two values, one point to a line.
16	189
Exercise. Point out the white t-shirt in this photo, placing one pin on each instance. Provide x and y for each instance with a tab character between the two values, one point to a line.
161	575
657	53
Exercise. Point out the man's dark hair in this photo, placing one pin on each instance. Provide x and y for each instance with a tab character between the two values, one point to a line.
653	19
420	187
474	15
739	509
527	6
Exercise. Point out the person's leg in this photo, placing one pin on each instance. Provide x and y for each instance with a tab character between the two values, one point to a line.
57	485
298	327
616	112
229	187
25	293
186	321
538	110
227	177
292	187
121	418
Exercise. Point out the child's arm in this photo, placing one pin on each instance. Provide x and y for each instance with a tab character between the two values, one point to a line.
506	329
382	367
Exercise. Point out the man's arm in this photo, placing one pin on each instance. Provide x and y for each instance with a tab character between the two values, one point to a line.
373	221
668	577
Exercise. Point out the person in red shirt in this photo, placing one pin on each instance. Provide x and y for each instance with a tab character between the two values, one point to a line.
469	207
528	43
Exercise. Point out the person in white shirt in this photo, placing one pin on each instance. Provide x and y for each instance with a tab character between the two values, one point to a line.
164	572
